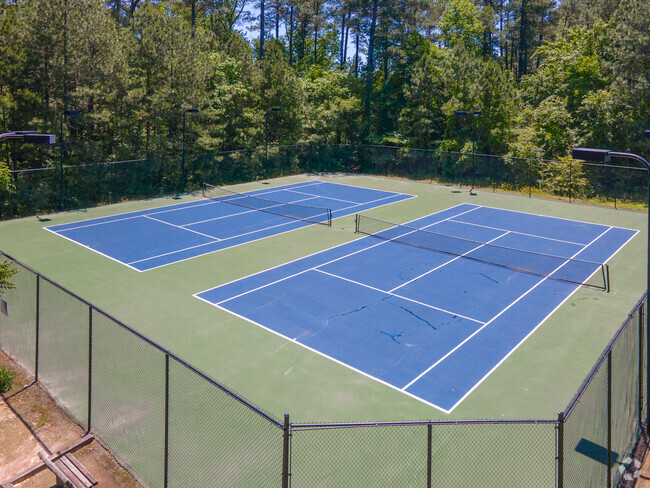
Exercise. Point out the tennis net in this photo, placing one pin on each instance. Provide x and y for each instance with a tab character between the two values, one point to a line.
576	271
317	215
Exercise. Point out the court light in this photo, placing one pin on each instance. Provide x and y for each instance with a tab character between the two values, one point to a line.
29	137
604	156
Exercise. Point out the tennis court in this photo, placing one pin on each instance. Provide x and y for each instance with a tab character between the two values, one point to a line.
432	308
153	238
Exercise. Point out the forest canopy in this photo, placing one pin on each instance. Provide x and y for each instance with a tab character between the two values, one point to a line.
546	75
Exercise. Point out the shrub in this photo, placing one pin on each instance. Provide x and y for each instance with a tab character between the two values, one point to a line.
6	379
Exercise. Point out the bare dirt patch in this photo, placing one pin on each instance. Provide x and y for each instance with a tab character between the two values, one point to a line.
30	421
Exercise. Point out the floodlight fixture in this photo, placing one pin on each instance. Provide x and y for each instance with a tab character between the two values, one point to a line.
593	155
29	137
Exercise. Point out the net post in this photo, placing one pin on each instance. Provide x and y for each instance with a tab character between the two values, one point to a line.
609	418
560	450
38	324
90	366
607	284
429	454
329	217
356	223
286	435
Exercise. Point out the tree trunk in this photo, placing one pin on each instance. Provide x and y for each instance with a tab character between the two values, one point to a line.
291	34
370	68
262	19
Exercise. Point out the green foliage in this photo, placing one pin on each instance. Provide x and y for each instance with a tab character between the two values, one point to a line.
460	25
545	77
6	379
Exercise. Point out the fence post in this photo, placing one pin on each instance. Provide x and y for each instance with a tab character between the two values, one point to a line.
38	324
640	396
570	179
429	454
609	418
166	465
90	365
285	452
560	450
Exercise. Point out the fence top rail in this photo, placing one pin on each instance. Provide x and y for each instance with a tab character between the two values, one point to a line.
160	348
250	149
413	423
496	156
602	358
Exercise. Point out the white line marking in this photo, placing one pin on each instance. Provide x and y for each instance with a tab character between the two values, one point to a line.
328	198
216	240
498	315
381	243
181	228
448	262
399	296
519	233
93	250
316	351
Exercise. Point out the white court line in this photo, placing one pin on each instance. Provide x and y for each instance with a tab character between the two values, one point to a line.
399	296
383	242
216	240
522	233
448	262
93	250
250	210
182	228
316	351
498	315
372	201
180	206
323	196
295	261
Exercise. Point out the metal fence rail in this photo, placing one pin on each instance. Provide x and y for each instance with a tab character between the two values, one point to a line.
172	426
41	190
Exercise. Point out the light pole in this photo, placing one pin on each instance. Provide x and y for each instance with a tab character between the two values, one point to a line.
64	114
604	156
266	130
188	111
474	114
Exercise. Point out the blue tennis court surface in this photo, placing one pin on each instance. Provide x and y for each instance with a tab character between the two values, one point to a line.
152	238
430	324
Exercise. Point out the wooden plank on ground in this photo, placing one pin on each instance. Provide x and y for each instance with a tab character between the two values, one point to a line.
61	478
81	468
77	474
23	475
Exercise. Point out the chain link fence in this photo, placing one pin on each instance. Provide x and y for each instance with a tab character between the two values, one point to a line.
43	190
173	426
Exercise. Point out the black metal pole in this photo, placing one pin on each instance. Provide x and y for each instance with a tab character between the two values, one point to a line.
560	450
166	447
182	185
38	323
609	418
61	165
640	386
429	454
285	452
90	366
